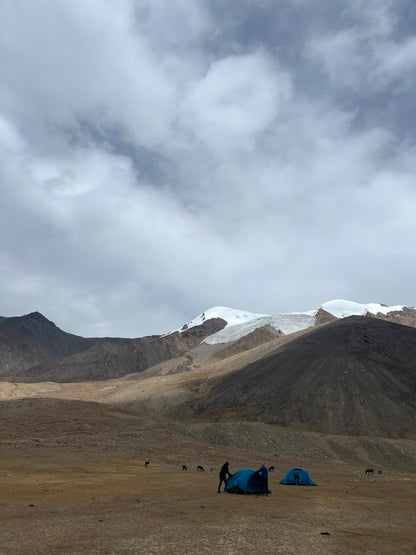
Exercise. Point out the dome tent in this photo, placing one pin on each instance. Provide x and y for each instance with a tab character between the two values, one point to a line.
303	477
245	481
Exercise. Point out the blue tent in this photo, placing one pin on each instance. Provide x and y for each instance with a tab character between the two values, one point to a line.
245	481
303	477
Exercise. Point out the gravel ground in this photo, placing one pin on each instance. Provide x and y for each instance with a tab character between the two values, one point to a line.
65	502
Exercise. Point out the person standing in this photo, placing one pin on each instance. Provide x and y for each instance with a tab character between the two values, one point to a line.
264	476
223	475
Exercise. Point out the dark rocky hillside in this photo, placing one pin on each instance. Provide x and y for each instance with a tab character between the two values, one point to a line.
356	376
33	349
33	339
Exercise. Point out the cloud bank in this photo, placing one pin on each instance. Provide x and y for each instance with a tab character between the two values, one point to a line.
158	158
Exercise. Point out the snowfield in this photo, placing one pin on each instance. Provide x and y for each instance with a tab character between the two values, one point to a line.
286	324
232	316
342	309
241	322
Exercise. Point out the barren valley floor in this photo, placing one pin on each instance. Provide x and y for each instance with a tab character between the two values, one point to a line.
60	501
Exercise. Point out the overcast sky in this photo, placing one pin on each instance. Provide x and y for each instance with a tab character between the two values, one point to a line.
160	157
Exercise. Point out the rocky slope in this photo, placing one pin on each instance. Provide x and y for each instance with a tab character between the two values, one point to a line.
33	339
346	375
355	376
33	349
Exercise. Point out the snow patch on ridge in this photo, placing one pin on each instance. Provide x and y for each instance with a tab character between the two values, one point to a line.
231	315
285	323
342	309
241	323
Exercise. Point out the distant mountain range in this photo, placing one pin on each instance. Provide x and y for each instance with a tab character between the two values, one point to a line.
344	368
32	348
241	323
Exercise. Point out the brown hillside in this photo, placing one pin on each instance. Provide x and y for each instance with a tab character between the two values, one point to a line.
355	376
254	339
111	358
33	339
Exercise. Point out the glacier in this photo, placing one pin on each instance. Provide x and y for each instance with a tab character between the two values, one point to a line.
242	322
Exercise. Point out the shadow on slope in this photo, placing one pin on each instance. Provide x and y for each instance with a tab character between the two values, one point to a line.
352	377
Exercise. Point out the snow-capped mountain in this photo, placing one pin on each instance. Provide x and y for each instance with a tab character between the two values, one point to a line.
232	316
241	323
341	309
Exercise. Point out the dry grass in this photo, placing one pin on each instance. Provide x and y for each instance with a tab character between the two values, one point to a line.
73	481
67	502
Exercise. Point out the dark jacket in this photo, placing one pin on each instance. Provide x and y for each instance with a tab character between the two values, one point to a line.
224	471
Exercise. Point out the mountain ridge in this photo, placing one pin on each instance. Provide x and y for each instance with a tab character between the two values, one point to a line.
345	376
240	323
32	348
355	376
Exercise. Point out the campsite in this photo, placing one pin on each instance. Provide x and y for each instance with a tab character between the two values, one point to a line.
129	464
74	480
207	263
96	458
105	504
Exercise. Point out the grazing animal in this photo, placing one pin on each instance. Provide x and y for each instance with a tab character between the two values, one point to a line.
200	468
271	468
369	471
380	472
146	463
184	467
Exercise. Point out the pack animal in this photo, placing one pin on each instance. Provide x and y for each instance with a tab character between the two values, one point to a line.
184	467
271	468
200	468
369	471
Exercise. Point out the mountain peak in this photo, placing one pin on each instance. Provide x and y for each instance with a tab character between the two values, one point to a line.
37	316
241	322
232	316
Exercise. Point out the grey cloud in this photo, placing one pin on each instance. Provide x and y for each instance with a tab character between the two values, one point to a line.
150	169
151	165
